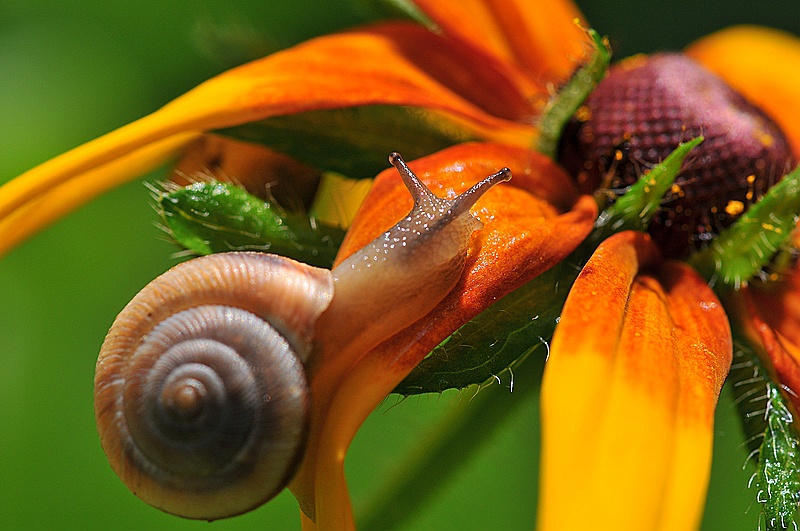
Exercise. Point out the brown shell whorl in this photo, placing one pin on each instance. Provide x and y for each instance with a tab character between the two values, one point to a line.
200	391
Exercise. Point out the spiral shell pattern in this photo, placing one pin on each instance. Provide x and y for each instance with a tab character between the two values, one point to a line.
200	391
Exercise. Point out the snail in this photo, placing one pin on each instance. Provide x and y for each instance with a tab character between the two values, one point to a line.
202	385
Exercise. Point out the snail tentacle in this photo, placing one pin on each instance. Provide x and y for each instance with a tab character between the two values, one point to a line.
402	274
203	384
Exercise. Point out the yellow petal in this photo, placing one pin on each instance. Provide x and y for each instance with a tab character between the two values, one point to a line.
61	198
763	65
628	394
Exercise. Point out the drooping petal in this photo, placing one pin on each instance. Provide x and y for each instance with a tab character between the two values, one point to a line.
523	235
629	391
543	37
769	315
762	64
782	353
778	303
392	64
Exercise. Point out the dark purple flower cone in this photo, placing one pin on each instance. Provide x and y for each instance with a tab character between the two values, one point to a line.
642	111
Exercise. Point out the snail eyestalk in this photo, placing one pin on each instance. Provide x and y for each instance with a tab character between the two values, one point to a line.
229	344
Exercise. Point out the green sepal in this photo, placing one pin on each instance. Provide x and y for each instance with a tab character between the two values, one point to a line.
214	217
354	141
778	470
742	250
635	209
513	327
566	103
769	431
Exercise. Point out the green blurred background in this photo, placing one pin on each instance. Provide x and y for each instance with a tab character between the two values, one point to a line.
72	71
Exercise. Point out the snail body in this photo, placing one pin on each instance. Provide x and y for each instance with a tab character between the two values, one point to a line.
202	384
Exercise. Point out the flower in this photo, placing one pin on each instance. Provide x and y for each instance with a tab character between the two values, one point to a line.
484	120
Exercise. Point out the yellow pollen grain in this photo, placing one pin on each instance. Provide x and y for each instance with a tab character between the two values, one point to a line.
771	227
675	189
749	195
751	178
764	137
734	207
618	155
583	114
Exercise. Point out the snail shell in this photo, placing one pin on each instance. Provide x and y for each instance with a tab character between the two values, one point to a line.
200	392
201	395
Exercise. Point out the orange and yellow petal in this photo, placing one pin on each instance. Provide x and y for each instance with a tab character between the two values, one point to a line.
36	212
523	235
763	65
391	64
629	391
544	38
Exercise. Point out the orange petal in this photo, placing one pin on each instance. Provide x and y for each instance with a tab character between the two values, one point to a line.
769	315
782	353
778	304
628	396
523	235
391	64
762	64
544	38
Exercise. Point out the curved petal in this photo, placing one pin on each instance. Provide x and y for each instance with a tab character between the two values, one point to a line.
60	199
762	64
629	392
372	66
782	353
545	38
778	303
523	235
770	315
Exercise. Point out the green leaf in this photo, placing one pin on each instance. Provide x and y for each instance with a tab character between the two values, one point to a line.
743	249
218	217
564	106
525	320
356	140
498	338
